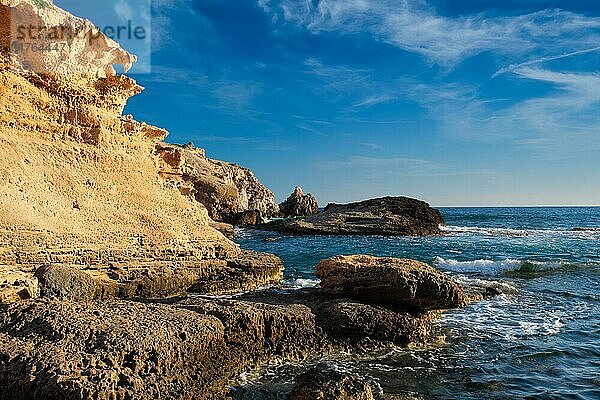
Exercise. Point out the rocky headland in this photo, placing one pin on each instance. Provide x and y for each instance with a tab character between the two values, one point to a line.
387	216
231	194
108	252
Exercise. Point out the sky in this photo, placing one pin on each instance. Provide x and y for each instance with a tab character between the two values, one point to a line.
459	103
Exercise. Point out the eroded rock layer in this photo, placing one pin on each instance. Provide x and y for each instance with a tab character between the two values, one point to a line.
80	185
228	191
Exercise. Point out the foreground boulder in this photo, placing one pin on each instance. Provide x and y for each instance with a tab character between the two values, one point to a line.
391	281
324	382
299	205
388	216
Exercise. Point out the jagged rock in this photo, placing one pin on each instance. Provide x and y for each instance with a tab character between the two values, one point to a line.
224	189
62	350
299	204
388	216
324	382
247	218
392	281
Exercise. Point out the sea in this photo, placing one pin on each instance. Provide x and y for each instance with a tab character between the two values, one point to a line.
540	339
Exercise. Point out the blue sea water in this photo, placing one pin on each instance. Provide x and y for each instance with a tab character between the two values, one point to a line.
540	339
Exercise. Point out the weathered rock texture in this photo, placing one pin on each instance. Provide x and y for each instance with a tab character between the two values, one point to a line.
299	204
57	350
80	185
350	323
323	382
392	281
388	216
110	350
226	190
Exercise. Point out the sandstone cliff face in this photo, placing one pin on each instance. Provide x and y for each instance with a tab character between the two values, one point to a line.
226	190
80	183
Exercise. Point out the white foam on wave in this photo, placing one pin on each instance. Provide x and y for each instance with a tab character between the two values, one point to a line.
301	283
584	233
543	328
504	287
492	267
488	267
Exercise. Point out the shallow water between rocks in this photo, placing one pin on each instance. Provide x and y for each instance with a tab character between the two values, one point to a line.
540	339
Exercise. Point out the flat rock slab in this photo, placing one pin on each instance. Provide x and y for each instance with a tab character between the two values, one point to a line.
388	216
67	350
396	282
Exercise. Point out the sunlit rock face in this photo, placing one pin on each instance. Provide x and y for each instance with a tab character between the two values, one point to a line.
80	183
45	39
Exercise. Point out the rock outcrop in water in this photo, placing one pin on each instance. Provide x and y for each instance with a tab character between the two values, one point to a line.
324	382
299	205
388	216
228	191
391	281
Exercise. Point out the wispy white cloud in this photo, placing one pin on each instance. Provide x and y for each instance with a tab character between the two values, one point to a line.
565	120
235	95
415	26
373	100
514	67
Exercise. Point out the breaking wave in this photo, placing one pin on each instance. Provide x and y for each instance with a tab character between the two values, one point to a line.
491	267
488	231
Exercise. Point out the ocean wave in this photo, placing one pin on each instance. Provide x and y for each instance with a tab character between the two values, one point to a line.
489	231
300	283
503	287
491	267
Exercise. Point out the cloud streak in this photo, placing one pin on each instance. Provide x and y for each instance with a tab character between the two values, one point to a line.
416	27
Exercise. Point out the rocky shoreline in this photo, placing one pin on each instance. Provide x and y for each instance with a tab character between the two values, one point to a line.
113	245
57	347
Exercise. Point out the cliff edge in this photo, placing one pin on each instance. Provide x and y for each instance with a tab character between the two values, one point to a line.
80	184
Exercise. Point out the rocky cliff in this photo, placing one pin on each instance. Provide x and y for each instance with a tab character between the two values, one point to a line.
80	183
226	190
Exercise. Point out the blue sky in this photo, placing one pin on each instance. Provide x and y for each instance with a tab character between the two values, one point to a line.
469	102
